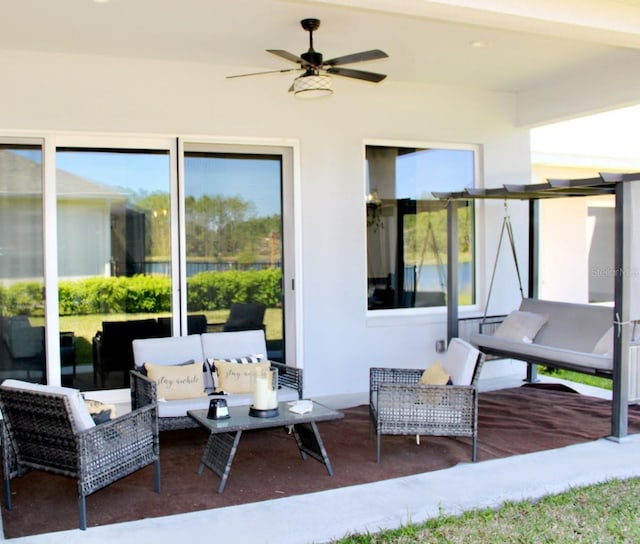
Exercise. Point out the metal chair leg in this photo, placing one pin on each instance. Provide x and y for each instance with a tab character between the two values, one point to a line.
7	493
156	475
82	506
474	449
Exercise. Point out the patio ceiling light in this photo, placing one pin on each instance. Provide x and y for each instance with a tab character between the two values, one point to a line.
312	86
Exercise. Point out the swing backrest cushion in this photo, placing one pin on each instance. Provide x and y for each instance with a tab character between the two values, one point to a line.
576	327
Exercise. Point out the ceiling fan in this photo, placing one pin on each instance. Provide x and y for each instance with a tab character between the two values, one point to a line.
315	80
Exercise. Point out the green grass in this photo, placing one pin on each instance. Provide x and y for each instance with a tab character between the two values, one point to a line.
578	377
602	513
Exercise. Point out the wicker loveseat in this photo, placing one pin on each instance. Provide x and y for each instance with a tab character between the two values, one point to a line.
50	428
202	349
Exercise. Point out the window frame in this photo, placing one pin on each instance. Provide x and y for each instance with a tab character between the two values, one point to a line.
388	316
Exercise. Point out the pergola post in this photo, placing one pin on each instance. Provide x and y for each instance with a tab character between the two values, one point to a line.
452	269
621	311
532	280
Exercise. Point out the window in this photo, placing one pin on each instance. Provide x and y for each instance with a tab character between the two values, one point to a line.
234	238
22	304
138	238
114	259
407	226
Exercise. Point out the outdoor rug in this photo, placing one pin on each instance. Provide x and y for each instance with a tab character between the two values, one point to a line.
268	464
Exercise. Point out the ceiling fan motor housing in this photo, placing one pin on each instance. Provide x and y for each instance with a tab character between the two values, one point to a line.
313	58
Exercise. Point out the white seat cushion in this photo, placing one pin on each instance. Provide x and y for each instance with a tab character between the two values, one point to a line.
81	417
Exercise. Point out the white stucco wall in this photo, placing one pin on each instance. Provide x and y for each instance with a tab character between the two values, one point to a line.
339	341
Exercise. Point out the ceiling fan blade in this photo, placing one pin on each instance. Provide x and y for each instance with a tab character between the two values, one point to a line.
373	54
288	56
261	73
357	74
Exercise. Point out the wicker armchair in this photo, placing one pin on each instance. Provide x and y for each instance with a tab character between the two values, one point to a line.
400	405
45	429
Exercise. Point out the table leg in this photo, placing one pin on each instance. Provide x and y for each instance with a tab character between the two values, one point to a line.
219	454
310	443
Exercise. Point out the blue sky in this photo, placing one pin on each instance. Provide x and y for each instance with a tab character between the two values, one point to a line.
254	180
429	170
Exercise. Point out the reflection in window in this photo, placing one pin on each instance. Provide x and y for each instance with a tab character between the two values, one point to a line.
22	353
114	258
407	226
233	241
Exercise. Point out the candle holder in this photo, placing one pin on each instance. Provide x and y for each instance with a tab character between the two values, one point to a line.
265	396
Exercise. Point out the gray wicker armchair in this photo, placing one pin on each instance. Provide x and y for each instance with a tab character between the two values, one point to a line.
44	428
400	405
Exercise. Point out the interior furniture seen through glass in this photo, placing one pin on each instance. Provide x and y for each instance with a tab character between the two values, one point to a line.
22	332
407	226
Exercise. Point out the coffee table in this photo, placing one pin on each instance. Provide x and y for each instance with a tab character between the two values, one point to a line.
224	434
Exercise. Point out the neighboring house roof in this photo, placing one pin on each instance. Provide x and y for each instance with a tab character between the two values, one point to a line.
21	176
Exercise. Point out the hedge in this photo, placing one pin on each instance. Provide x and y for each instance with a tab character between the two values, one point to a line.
146	294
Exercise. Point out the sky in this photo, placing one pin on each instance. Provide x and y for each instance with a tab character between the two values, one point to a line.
254	180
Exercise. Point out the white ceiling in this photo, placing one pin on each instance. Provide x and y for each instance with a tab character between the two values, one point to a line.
528	44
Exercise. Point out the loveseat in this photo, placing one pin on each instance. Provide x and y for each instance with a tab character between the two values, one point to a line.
192	362
556	334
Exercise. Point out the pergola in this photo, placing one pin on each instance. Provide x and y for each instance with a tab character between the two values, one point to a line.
626	266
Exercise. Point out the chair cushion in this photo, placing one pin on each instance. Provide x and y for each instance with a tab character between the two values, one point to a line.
225	345
81	417
604	346
177	381
460	361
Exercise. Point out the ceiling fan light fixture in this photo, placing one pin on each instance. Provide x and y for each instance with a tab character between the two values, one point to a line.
312	86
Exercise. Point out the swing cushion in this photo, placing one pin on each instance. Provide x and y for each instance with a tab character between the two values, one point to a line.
567	340
521	326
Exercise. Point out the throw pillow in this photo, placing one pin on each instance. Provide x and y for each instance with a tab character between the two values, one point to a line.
143	370
99	411
209	368
435	375
521	326
238	378
604	346
177	381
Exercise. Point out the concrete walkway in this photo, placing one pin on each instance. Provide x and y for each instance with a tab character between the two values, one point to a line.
324	516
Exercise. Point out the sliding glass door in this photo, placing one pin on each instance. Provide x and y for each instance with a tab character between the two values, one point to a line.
22	303
114	259
234	239
136	238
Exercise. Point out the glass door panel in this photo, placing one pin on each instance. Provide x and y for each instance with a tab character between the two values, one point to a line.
114	259
234	241
22	332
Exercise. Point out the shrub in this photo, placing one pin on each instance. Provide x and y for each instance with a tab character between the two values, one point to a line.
217	290
147	294
25	298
